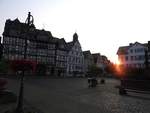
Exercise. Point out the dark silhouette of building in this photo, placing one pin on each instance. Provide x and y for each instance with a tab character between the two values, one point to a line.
1	49
60	57
41	45
88	61
45	53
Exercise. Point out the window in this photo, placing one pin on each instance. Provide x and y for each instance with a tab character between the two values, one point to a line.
139	65
131	51
17	47
16	56
12	57
126	58
135	50
135	58
131	58
134	65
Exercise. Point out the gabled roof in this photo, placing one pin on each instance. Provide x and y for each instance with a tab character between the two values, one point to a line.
124	49
87	54
61	41
60	44
21	30
16	20
39	35
15	25
70	45
43	32
96	56
43	35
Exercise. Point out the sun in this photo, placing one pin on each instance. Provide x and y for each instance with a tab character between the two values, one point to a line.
115	61
118	62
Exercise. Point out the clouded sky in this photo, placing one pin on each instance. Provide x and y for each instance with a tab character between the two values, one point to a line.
102	25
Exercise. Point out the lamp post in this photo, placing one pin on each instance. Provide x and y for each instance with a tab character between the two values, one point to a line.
19	109
36	55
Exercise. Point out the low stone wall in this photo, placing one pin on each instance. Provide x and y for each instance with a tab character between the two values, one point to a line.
140	86
143	85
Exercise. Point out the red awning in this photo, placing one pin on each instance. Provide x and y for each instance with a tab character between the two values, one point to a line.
23	64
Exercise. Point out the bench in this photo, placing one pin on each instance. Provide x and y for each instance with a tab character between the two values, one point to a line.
138	86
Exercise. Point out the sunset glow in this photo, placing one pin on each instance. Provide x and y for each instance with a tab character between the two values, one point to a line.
117	62
102	26
119	69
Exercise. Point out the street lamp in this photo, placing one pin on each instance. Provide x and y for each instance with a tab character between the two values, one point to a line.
36	54
29	23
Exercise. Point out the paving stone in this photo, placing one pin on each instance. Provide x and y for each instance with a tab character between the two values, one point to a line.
72	95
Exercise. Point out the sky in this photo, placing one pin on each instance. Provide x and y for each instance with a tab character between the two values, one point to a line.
102	25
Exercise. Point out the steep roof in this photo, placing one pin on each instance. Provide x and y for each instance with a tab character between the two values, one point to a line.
16	20
39	35
43	35
87	54
96	56
124	49
60	44
15	25
22	31
61	41
69	45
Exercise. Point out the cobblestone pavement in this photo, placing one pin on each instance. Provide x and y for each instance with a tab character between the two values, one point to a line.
72	95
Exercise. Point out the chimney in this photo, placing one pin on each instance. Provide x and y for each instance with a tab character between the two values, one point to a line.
130	44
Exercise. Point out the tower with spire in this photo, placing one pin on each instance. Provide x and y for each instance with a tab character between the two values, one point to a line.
75	37
75	62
